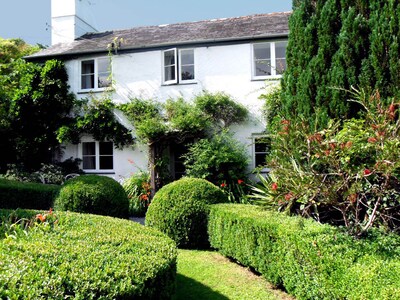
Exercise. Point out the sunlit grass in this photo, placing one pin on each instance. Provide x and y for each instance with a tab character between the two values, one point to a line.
208	275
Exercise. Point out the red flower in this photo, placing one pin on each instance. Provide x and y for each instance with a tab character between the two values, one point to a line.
240	181
223	184
288	196
349	144
285	122
144	197
392	108
274	186
367	172
372	140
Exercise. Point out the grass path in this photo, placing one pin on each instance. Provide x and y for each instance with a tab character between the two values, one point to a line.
209	275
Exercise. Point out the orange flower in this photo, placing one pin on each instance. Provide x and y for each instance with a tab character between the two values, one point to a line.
223	184
372	140
288	196
144	197
285	122
349	144
240	181
41	217
274	186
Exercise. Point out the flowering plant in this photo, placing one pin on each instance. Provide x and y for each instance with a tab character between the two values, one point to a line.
346	174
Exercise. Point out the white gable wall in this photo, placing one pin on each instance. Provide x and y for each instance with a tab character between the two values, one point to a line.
217	69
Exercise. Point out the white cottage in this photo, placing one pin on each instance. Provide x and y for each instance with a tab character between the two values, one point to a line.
232	55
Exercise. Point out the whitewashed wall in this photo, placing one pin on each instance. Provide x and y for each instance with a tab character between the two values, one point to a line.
217	69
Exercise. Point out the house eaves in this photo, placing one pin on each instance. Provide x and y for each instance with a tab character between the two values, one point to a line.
205	33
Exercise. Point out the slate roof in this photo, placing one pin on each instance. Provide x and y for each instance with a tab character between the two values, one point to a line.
252	27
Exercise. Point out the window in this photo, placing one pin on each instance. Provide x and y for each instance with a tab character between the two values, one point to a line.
262	146
95	73
97	156
269	59
178	66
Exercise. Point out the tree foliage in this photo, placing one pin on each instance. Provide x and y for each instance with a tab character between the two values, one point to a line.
339	44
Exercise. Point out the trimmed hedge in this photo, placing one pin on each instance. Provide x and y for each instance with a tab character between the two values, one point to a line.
310	260
15	194
180	210
93	194
86	257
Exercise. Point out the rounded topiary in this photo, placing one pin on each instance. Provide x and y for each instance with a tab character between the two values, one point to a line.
180	210
93	194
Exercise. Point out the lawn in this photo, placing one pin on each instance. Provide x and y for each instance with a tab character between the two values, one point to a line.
209	275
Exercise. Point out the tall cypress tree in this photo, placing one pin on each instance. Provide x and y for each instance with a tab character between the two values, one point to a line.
334	45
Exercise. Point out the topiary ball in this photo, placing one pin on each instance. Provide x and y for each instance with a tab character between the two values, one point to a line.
95	195
180	210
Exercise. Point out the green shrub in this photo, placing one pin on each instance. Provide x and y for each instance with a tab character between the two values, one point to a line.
137	187
93	194
14	194
85	257
180	210
310	260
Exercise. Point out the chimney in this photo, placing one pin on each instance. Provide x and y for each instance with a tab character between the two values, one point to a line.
70	19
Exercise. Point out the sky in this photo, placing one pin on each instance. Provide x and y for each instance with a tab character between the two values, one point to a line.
31	21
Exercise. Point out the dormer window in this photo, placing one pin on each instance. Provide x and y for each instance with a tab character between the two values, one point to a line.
269	59
178	66
95	73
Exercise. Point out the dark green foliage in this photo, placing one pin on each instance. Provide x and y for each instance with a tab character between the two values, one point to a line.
85	257
180	209
34	103
14	194
334	45
310	260
96	117
93	194
219	159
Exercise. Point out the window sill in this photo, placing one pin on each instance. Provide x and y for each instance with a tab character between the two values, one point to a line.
277	77
93	91
99	172
179	83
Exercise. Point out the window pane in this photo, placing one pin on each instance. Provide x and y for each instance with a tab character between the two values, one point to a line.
280	49
262	51
169	73
262	144
187	57
106	148
263	68
260	159
187	72
169	58
106	163
104	81
88	67
89	148
87	81
89	162
103	65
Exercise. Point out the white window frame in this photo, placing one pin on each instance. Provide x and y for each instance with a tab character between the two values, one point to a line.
97	155
254	139
96	74
178	70
272	58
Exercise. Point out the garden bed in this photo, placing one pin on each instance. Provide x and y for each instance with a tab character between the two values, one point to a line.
81	256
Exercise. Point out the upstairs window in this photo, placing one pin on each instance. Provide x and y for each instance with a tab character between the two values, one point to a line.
269	59
97	156
178	66
95	73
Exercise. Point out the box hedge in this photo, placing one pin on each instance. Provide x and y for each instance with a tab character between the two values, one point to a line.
180	210
85	257
309	260
15	194
93	194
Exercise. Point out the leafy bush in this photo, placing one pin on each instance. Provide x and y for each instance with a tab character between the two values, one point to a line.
93	194
346	174
180	210
310	260
14	194
83	257
220	159
137	188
